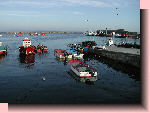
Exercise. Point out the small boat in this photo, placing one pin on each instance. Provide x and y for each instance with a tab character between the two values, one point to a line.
3	50
41	49
59	53
87	80
27	48
82	69
45	49
75	54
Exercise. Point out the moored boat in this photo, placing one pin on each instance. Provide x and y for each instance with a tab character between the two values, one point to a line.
75	54
59	53
27	48
45	49
87	80
41	49
3	50
82	69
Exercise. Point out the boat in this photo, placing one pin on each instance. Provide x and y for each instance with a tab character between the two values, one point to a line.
75	54
3	50
59	53
34	34
82	69
89	33
45	49
41	49
27	48
1	35
87	80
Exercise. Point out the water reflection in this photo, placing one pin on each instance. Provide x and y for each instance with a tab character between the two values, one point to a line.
2	58
133	72
41	53
87	80
27	58
63	60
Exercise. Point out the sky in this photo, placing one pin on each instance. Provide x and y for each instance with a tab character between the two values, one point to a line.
69	15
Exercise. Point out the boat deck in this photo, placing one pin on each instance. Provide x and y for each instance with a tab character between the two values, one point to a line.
81	67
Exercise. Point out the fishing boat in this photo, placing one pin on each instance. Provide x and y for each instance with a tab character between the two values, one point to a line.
87	80
3	50
45	49
82	69
75	54
27	48
59	53
41	49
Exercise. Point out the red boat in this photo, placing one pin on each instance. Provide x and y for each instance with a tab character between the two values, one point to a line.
27	48
59	53
45	49
38	50
41	49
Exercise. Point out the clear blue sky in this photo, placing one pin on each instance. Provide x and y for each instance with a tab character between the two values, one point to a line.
69	15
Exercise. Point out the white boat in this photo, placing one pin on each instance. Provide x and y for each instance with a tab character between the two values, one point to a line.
87	80
59	53
82	69
1	35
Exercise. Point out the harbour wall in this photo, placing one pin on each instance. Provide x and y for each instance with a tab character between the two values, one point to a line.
128	56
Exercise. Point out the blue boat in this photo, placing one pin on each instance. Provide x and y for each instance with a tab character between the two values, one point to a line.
74	53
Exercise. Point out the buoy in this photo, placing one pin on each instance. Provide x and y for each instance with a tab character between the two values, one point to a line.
43	78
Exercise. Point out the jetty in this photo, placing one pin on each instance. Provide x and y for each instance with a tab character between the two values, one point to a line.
129	56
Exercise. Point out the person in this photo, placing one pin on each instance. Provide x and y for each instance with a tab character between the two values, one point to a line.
110	42
81	50
39	46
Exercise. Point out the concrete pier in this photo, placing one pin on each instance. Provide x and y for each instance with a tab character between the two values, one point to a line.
129	56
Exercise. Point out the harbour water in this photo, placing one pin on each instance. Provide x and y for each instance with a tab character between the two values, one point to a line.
22	82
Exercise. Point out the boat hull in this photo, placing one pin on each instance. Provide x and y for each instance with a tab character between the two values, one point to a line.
26	51
83	70
82	79
79	56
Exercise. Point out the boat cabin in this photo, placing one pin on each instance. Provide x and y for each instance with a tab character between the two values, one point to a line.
26	43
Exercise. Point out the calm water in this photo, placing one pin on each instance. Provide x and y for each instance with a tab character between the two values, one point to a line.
22	82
